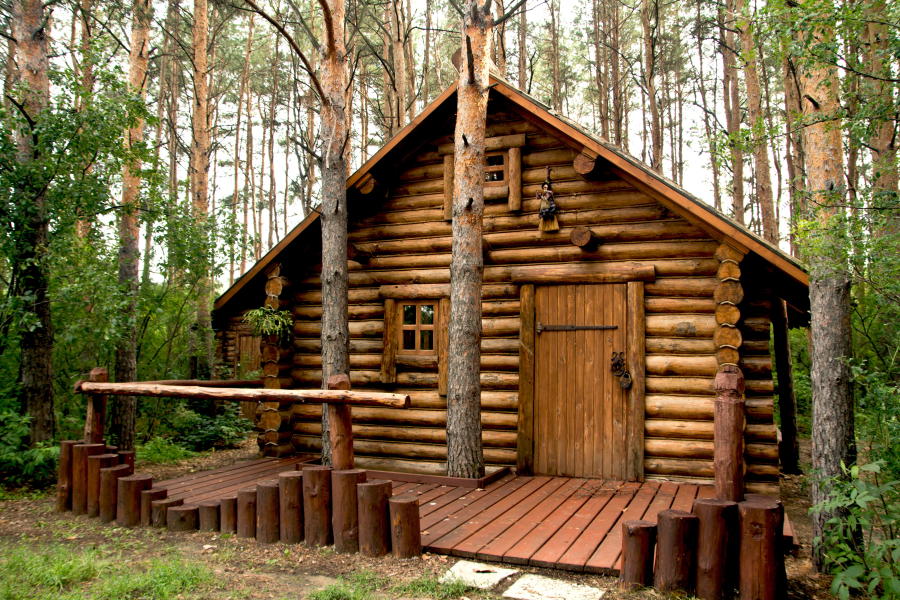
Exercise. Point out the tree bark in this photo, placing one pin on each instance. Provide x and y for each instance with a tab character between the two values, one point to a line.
711	139
833	435
399	57
237	149
125	408
335	329
523	50
649	38
883	142
465	457
554	56
733	110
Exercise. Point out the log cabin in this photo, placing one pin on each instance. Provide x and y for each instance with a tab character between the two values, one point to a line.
601	340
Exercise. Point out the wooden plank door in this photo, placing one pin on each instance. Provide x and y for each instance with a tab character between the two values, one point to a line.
580	409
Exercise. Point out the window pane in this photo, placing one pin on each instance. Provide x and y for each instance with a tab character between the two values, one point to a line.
409	314
494	161
409	339
427	314
427	340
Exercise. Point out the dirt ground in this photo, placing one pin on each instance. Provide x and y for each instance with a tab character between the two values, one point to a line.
250	570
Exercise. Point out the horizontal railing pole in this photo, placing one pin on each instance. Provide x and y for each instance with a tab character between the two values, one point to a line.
219	383
352	398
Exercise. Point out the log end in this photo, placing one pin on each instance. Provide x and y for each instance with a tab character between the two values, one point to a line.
340	381
584	165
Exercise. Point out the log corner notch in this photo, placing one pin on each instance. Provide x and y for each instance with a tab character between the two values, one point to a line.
728	295
369	188
274	422
585	239
729	423
588	167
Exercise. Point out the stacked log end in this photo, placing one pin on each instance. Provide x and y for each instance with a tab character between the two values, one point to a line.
276	425
728	295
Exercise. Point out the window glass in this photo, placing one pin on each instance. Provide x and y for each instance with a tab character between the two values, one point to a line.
427	314
494	161
409	314
409	339
493	176
427	340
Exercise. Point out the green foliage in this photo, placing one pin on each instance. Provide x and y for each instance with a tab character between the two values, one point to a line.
862	540
363	585
161	450
429	585
878	418
267	321
360	585
199	432
59	572
20	464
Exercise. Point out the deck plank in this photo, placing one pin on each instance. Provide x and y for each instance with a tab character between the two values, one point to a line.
684	499
604	558
204	487
464	497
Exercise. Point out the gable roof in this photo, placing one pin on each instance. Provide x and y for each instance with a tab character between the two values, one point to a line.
720	227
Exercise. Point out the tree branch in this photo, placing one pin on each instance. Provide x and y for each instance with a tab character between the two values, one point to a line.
329	26
510	13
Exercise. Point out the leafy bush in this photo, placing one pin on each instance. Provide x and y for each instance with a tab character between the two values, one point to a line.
878	417
161	450
268	321
197	432
861	542
20	464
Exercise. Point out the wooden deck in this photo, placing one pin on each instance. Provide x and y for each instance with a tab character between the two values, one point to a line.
554	522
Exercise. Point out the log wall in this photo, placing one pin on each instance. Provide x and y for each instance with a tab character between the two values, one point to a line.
408	241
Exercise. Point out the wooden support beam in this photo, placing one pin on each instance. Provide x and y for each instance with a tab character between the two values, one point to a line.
96	409
339	422
583	273
491	144
635	344
525	435
730	421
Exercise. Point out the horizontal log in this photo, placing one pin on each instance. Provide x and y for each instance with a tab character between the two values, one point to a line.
230	383
760	387
352	398
682	287
409	417
660	345
303	443
584	273
354	296
418	467
685	325
489	380
756	325
491	144
680	305
358	329
703	366
369	346
489	362
704	430
756	365
659	406
704	468
311	312
680	385
549	157
424	435
703	449
755	347
490	400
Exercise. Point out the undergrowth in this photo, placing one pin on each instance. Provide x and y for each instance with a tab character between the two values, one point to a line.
161	450
363	585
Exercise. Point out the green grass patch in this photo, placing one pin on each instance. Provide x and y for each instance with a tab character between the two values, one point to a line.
364	585
161	450
56	571
428	585
356	586
19	494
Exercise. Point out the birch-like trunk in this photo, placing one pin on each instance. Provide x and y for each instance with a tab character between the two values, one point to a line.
649	38
523	50
733	112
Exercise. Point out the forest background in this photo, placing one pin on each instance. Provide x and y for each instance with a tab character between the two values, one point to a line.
114	243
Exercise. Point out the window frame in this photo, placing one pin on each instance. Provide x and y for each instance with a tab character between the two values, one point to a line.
495	169
418	327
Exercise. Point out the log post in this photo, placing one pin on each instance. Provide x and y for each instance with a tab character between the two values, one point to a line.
449	173
267	512
148	497
345	515
109	485
341	431
246	513
159	510
128	499
717	548
182	518
317	505
95	464
781	548
96	409
525	430
514	172
759	566
228	515
290	503
406	537
677	552
638	551
374	521
729	423
64	476
126	457
80	454
208	514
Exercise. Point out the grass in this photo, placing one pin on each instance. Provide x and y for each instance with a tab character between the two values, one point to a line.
160	450
363	585
19	494
54	571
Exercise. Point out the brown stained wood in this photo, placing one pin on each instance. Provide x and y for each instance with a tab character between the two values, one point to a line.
374	518
585	239
729	436
359	254
208	518
228	514
443	340
585	273
584	165
317	506
341	430
184	518
489	438
64	476
159	509
491	144
680	305
525	432
95	464
128	499
676	561
729	291
728	336
725	252
551	553
246	513
635	411
726	355
406	536
449	170
391	341
345	509
728	271
96	409
109	485
759	523
683	326
423	417
728	314
290	504
80	454
638	551
717	550
606	557
515	179
356	398
267	512
704	366
685	287
230	481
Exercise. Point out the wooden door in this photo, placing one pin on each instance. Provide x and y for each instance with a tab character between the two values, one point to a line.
580	408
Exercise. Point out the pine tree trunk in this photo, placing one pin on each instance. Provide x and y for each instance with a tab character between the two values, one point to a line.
619	106
500	44
883	142
30	28
465	457
333	153
733	111
399	64
523	50
242	90
554	56
650	38
707	125
83	226
124	408
833	440
426	73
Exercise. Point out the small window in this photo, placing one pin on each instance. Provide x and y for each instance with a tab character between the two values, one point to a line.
496	168
417	320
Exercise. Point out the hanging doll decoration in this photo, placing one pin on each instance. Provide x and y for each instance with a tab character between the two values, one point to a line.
548	209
